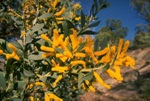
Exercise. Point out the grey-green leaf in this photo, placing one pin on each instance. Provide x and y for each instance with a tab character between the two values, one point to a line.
47	15
2	81
81	46
27	73
82	78
106	66
36	56
37	27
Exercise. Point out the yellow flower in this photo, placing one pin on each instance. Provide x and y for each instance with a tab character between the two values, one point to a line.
89	41
109	56
125	48
100	81
91	88
60	12
36	84
77	18
80	54
83	86
44	55
1	52
128	61
77	6
13	54
78	62
53	4
119	47
60	69
74	39
88	51
43	36
64	58
32	12
31	98
48	49
50	97
22	34
60	18
112	74
59	55
101	52
65	43
57	39
57	80
53	62
67	53
49	10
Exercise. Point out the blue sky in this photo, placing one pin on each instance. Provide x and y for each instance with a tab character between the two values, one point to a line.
119	9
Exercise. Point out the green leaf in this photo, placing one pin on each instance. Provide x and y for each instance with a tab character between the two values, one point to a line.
37	27
103	43
94	24
17	21
16	99
96	45
82	78
59	50
106	66
81	46
28	39
2	81
27	73
37	56
88	32
42	31
17	44
65	28
82	19
47	15
21	84
2	41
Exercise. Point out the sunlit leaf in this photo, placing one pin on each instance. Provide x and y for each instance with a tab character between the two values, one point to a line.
94	24
28	39
37	56
47	15
59	50
17	44
37	27
83	77
106	66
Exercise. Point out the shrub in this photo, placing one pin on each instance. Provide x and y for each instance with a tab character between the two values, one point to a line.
52	60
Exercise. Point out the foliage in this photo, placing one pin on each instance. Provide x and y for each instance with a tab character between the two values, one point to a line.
142	7
52	57
142	37
113	31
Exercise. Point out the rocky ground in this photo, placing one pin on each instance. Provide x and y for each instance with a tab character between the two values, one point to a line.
136	84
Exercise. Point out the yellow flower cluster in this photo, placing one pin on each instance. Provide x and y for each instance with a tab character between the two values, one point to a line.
112	55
